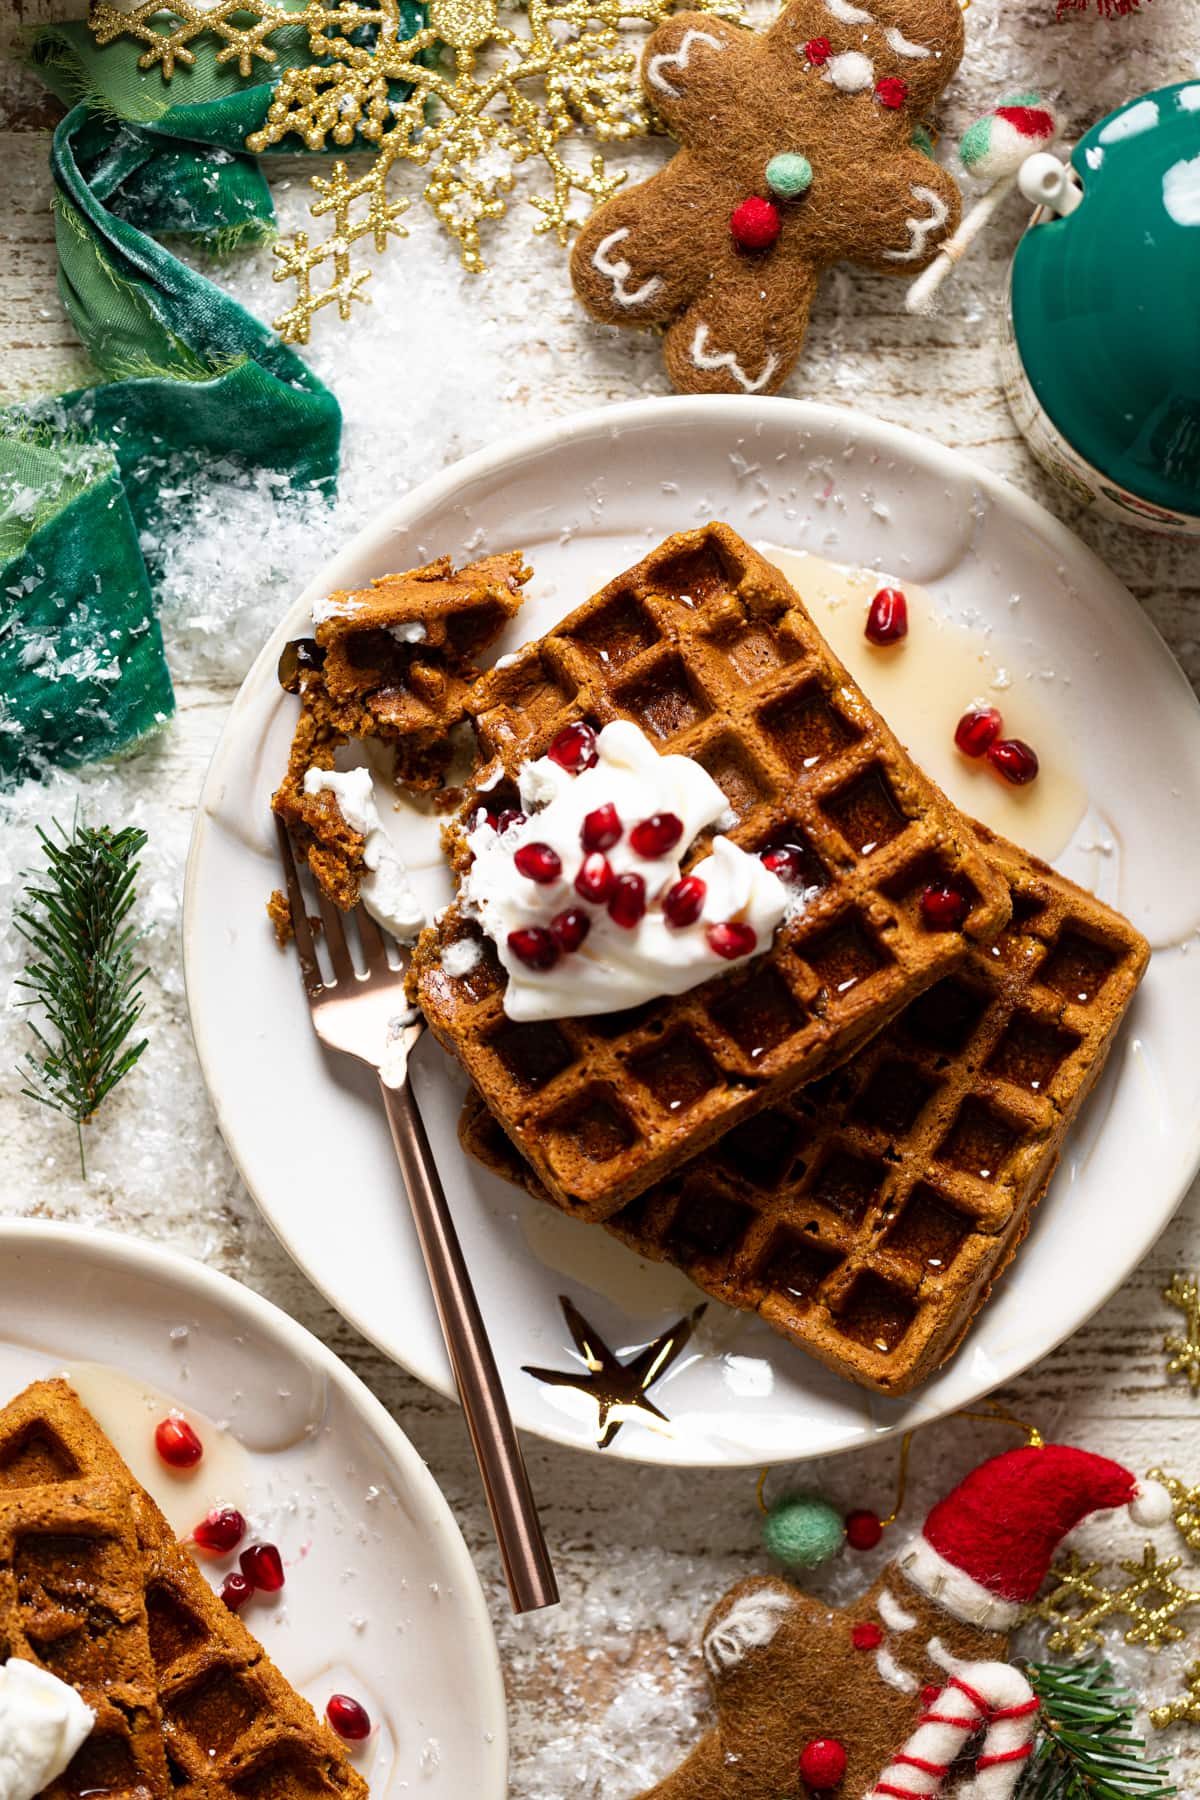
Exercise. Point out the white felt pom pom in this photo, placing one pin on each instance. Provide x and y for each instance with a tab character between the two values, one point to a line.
1151	1504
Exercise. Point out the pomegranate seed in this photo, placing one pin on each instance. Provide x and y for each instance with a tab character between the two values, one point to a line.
595	879
348	1718
262	1566
682	904
1015	759
784	862
944	908
177	1443
538	862
574	749
510	816
887	618
978	730
569	928
628	904
732	939
601	829
656	835
479	818
235	1591
222	1530
533	946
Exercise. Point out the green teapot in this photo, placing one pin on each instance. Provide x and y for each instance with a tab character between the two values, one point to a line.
1101	357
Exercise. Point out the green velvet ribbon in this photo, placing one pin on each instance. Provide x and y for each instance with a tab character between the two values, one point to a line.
187	378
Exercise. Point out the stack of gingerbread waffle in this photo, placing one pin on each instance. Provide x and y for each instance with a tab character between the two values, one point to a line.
847	1131
95	1588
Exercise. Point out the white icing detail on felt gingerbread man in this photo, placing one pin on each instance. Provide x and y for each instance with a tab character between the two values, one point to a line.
893	1614
851	71
619	271
846	14
992	1695
892	1672
677	59
919	229
750	1624
725	359
895	40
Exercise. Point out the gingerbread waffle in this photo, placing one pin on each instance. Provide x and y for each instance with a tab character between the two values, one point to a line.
391	661
233	1728
72	1595
868	1215
706	647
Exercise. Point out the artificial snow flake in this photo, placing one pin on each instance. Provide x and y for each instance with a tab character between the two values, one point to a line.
1183	1348
481	99
1151	1599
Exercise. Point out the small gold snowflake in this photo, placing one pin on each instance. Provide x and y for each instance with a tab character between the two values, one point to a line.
1185	1506
1183	1348
1185	1707
1151	1599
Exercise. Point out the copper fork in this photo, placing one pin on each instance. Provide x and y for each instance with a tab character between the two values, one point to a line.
367	1016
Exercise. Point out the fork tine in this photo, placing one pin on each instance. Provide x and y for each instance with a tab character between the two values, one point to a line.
309	968
335	939
374	948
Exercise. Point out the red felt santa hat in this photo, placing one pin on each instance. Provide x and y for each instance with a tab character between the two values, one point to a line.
987	1547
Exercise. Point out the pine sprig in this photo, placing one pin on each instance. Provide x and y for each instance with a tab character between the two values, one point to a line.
1087	1748
75	919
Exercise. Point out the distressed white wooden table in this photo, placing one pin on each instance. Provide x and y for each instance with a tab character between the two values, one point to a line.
604	1692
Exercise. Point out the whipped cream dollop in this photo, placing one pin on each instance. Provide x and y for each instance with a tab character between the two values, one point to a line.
615	967
43	1722
385	890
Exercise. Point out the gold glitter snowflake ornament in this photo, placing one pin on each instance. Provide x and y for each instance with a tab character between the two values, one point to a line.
1151	1599
482	99
1183	1348
1185	1707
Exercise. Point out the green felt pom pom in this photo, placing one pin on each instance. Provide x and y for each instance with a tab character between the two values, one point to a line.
802	1531
789	175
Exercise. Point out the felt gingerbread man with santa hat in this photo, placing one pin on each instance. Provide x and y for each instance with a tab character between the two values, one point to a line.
802	146
880	1701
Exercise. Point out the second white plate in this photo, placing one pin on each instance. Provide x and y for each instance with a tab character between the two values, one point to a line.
584	498
380	1599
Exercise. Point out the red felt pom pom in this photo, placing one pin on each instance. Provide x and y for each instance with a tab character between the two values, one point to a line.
818	51
822	1763
863	1530
755	224
891	92
866	1635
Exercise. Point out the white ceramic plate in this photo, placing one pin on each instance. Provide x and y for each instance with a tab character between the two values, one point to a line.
380	1599
584	498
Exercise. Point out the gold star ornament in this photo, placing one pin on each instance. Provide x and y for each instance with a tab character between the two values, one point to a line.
617	1388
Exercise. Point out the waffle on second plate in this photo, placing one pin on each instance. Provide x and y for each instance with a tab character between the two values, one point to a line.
867	1216
233	1728
707	648
72	1595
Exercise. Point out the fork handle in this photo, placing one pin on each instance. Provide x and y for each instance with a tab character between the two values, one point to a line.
527	1567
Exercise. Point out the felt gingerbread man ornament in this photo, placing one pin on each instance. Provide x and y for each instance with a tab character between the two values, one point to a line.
882	1700
797	151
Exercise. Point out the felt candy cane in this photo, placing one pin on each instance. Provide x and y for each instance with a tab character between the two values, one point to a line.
994	1698
993	148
